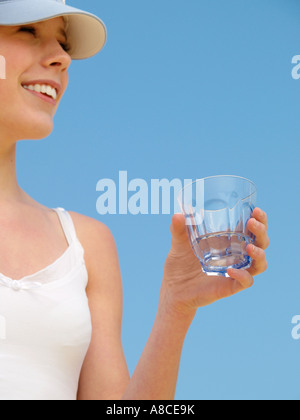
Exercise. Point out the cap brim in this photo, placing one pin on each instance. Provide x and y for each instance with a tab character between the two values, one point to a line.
86	32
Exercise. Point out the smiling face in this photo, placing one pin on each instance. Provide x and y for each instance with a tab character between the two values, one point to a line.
37	65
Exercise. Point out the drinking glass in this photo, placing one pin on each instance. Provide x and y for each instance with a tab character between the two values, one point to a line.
217	210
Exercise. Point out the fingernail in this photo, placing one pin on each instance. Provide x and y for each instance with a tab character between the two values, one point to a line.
252	248
233	271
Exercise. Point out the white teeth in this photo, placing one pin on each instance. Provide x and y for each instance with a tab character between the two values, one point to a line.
47	89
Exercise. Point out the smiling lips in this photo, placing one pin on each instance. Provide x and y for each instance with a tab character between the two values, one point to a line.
44	90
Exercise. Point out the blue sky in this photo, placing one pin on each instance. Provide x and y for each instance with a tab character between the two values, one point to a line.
188	89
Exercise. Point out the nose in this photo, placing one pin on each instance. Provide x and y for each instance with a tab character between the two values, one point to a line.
55	56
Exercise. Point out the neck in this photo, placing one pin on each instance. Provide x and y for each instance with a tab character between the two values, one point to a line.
9	188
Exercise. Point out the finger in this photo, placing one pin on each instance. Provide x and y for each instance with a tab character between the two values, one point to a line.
259	264
242	279
260	231
260	216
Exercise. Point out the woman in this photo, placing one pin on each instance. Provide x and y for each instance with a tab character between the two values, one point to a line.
60	287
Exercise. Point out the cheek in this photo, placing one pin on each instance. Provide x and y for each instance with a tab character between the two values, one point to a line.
65	81
17	59
16	62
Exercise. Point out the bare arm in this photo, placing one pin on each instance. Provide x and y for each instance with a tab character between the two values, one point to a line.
155	377
104	373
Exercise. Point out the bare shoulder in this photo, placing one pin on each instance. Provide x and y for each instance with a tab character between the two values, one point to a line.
100	249
91	230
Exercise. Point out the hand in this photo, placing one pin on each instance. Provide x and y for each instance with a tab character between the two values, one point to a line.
186	287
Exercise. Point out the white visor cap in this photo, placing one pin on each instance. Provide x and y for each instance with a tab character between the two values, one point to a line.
86	33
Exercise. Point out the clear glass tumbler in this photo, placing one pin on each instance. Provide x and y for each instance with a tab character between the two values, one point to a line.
217	210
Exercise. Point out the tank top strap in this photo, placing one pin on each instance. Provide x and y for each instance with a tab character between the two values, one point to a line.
67	224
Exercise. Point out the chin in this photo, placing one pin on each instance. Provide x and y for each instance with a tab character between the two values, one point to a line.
38	131
40	135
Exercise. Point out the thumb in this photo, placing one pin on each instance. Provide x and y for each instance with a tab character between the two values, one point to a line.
179	231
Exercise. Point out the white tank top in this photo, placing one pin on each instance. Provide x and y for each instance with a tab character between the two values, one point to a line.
45	327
